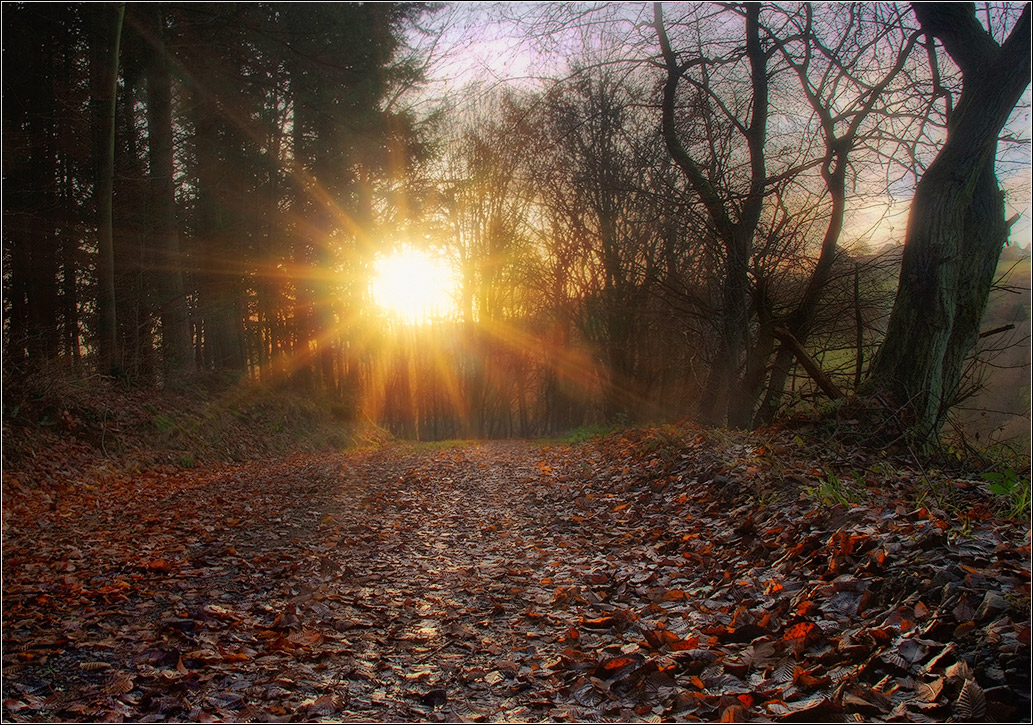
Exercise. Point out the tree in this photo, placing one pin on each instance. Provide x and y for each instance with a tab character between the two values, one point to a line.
844	49
733	217
168	276
483	209
956	227
33	34
594	137
104	66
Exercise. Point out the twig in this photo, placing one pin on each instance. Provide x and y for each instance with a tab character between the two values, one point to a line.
426	655
103	431
996	330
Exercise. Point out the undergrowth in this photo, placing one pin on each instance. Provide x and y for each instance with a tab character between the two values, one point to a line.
201	422
832	490
585	433
212	420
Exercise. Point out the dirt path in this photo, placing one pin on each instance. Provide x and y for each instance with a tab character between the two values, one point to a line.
389	585
632	580
445	558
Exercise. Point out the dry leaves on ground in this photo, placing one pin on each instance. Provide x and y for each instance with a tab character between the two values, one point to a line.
635	578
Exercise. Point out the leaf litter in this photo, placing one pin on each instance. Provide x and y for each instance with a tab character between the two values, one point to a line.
649	576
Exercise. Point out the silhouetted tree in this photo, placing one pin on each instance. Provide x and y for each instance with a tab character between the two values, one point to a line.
956	227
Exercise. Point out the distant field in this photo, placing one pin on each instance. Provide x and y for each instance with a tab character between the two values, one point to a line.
1001	410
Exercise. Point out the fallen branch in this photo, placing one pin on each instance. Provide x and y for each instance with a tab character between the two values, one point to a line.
813	369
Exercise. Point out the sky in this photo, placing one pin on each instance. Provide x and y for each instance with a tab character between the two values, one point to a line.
480	43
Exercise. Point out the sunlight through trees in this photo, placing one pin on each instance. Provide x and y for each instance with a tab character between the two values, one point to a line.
414	286
663	211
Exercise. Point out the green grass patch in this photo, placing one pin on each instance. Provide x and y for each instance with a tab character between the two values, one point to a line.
1012	490
585	433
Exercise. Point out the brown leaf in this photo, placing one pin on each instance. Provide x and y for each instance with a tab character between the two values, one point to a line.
971	702
306	637
93	666
612	666
929	691
657	638
119	684
960	670
734	713
324	705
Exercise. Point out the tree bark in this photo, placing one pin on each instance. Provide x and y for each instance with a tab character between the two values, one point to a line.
956	226
175	326
105	59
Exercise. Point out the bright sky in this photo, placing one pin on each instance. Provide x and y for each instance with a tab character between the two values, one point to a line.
480	44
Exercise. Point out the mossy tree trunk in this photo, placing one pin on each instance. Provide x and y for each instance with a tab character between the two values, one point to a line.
104	61
956	226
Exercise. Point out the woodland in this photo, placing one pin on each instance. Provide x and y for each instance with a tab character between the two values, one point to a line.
516	362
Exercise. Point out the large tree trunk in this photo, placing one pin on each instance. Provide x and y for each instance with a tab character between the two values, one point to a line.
106	39
177	355
956	227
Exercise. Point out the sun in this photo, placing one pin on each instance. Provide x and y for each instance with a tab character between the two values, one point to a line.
414	286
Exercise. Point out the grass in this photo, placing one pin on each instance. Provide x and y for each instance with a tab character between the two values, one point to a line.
583	434
1012	490
200	422
834	491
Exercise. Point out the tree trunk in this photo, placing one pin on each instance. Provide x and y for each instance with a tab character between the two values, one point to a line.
985	233
802	318
219	288
956	226
105	59
727	403
177	356
44	232
30	185
69	268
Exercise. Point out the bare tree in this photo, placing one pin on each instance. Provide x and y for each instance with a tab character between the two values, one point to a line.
733	216
857	53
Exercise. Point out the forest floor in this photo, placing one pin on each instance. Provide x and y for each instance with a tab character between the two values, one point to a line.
663	574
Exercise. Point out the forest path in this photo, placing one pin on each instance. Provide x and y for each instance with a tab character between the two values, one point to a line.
650	575
396	584
448	555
